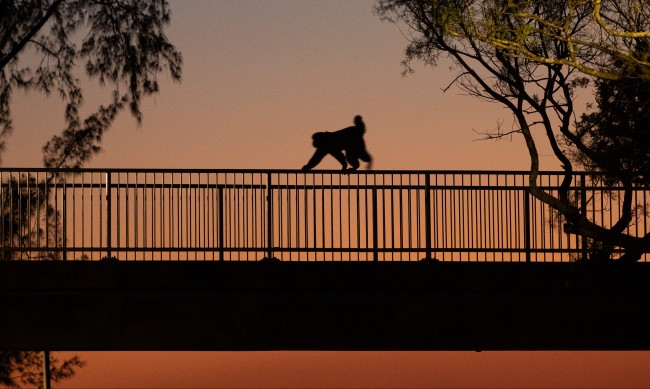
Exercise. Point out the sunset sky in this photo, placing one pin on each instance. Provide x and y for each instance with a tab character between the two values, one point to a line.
259	78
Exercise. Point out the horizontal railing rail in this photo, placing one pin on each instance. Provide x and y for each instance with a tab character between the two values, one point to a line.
217	214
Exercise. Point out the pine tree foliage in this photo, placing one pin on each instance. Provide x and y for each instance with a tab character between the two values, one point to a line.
49	46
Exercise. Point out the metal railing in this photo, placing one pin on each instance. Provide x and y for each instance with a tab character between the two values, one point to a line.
164	214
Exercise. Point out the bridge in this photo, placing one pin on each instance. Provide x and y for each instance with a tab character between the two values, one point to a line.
107	259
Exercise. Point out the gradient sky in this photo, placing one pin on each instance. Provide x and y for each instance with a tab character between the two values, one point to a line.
259	78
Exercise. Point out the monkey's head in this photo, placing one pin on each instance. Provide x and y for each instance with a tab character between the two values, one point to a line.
358	121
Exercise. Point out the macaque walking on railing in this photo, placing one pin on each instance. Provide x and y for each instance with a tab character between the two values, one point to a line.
348	140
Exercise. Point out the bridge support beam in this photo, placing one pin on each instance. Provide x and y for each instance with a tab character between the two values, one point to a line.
113	305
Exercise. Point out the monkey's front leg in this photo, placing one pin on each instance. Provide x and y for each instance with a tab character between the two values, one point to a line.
341	158
318	156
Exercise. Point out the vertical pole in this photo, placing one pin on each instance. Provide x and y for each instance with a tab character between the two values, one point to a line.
427	215
46	215
108	215
269	217
527	223
583	211
46	370
221	221
375	238
64	209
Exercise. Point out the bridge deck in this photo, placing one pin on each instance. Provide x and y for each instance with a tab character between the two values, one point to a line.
113	305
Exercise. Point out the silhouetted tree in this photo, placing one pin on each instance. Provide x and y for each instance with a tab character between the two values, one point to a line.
616	134
45	43
26	368
613	139
28	220
531	56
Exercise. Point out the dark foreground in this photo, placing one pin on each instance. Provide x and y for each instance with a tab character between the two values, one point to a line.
323	306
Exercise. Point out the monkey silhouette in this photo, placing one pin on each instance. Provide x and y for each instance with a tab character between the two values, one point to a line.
346	145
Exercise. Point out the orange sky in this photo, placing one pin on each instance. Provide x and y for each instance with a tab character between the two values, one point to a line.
259	78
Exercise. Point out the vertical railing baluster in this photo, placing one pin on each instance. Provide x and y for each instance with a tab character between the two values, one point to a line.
527	226
64	221
108	216
221	220
269	217
375	237
427	215
29	211
583	211
3	232
56	217
92	214
46	214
